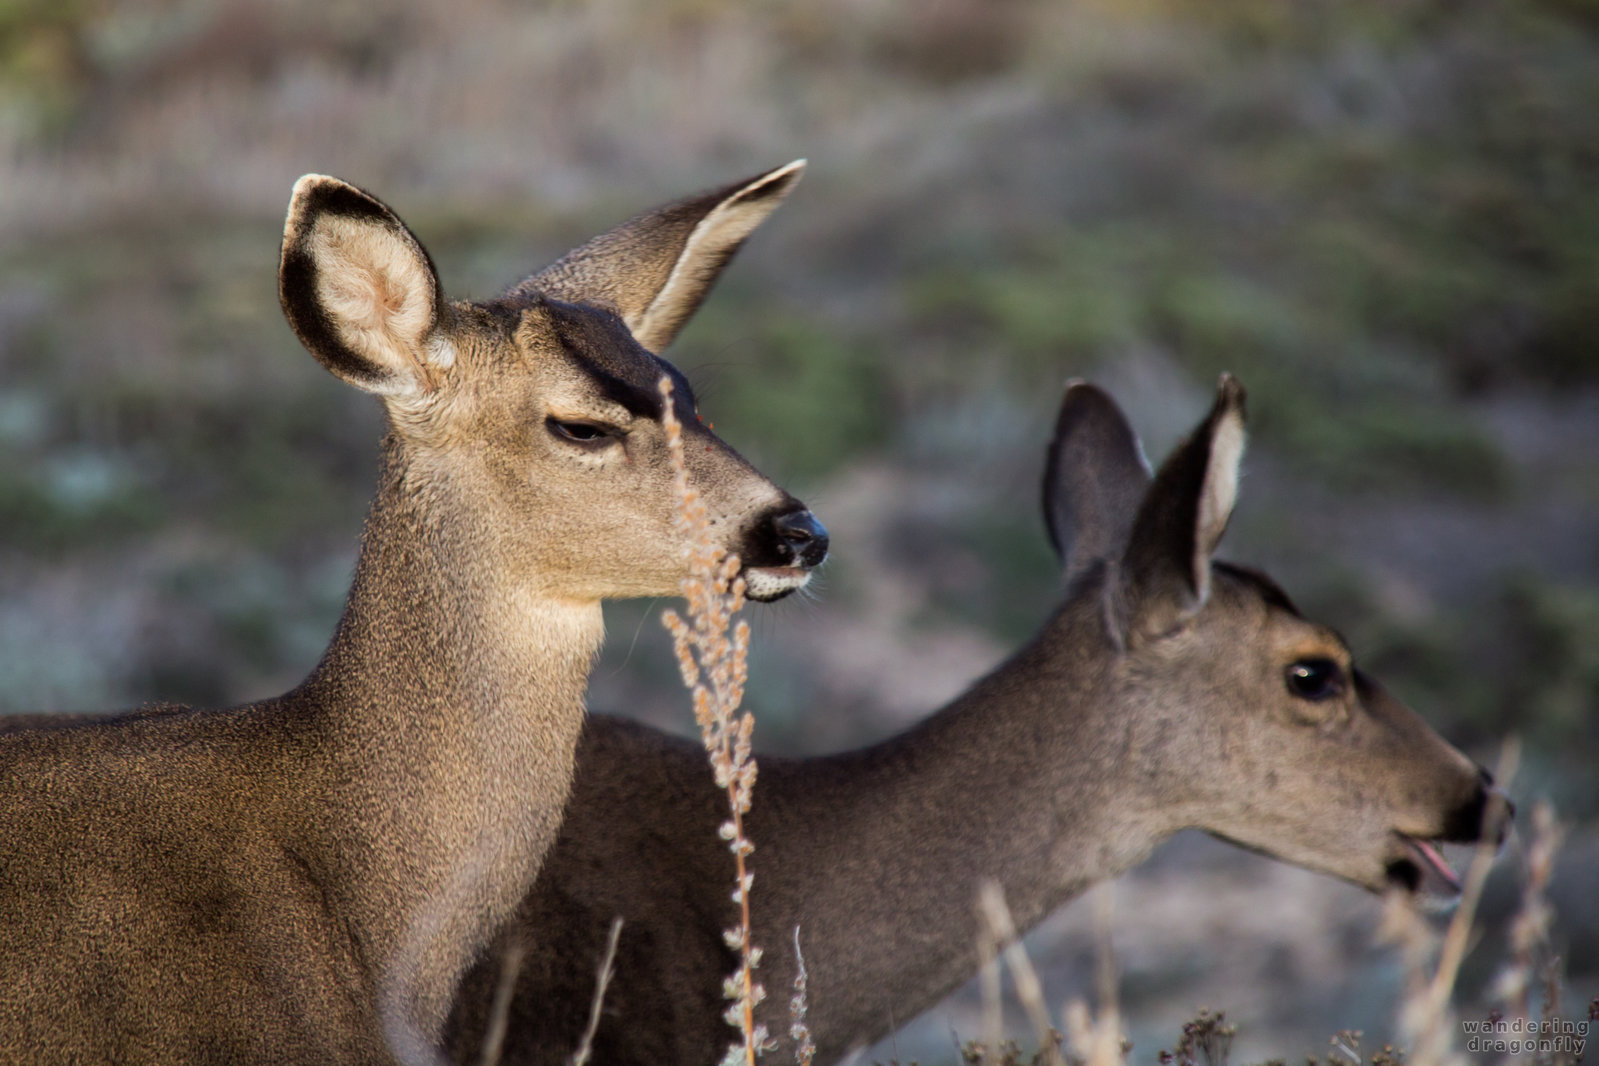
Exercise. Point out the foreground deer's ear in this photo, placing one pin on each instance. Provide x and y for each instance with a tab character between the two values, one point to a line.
1167	564
1094	478
655	270
359	290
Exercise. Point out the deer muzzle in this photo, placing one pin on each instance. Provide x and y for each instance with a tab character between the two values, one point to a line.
782	551
1484	819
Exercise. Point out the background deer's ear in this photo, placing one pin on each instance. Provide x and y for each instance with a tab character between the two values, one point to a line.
1166	569
360	291
655	270
1094	478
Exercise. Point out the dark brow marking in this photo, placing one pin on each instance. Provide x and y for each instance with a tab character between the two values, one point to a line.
596	340
635	399
644	403
1269	590
639	400
626	373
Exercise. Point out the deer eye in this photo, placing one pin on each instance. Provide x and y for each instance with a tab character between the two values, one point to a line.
1315	679
579	432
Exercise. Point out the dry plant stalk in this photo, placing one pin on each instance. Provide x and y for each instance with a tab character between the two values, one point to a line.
1530	952
499	1013
585	1047
1426	1021
1097	1040
1000	933
714	667
989	978
804	1047
1094	1041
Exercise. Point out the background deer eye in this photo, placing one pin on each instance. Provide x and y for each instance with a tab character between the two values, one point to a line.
1315	679
581	432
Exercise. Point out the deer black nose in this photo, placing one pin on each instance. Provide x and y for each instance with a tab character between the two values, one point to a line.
1485	817
803	537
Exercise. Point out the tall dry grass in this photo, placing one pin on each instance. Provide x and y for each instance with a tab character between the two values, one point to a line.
715	665
713	655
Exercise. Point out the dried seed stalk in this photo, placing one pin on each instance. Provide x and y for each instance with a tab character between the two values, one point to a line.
714	667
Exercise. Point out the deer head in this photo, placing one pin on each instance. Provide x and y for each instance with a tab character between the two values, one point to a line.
535	419
1241	716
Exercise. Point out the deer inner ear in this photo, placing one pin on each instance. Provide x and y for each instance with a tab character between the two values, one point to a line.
360	291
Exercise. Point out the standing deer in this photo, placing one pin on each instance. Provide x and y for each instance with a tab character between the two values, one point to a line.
304	879
1167	692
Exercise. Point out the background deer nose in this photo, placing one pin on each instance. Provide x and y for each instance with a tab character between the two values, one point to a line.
1506	814
803	537
1487	816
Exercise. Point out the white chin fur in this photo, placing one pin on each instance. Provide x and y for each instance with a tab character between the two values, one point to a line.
768	583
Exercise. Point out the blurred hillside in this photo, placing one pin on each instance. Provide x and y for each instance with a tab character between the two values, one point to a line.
1381	215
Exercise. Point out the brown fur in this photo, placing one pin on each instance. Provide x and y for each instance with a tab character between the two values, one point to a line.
303	880
1153	701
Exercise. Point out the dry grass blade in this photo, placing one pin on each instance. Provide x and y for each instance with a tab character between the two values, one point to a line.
1531	955
804	1047
1094	1041
989	985
1097	1040
1000	931
585	1047
1425	1020
500	1012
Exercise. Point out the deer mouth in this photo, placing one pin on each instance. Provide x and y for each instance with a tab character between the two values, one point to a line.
1423	871
767	583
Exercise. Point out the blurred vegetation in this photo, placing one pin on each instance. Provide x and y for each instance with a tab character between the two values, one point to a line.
809	399
1381	214
45	66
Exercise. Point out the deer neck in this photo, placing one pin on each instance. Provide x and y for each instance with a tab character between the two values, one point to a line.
449	703
1027	779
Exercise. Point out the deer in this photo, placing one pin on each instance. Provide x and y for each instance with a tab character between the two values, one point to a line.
304	879
1168	691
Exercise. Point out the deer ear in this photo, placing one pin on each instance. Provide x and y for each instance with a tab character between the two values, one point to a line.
1094	477
360	291
655	270
1166	569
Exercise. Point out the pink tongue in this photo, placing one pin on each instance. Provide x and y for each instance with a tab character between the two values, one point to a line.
1439	864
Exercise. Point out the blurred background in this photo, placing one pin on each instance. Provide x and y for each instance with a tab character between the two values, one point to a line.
1384	216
